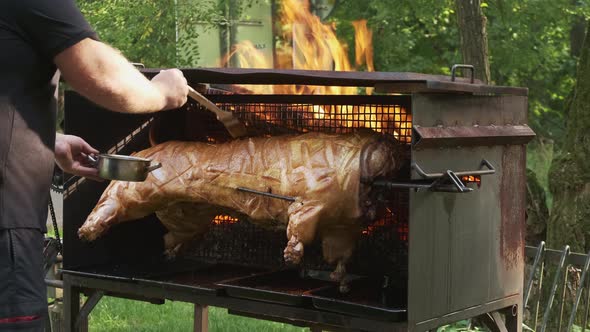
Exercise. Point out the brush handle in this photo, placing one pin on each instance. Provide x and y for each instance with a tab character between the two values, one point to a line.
222	115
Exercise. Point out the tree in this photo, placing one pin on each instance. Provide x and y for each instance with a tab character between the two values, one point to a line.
474	38
570	171
146	31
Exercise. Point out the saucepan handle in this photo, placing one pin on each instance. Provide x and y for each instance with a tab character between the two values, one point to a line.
92	160
153	167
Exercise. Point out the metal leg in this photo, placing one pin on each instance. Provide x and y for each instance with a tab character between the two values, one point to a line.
72	309
505	320
493	322
82	319
513	317
201	318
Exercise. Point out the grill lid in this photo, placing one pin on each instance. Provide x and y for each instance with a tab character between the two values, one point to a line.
384	82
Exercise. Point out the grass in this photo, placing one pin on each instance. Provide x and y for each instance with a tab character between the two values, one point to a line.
113	314
121	315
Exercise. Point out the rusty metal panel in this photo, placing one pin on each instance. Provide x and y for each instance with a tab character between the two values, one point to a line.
466	249
460	136
464	110
431	86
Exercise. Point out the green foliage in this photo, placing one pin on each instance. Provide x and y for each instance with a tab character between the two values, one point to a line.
408	35
144	31
530	47
461	326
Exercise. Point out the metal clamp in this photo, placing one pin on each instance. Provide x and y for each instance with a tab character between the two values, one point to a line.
454	68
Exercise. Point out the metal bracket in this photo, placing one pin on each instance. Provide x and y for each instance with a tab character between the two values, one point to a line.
449	181
90	303
454	68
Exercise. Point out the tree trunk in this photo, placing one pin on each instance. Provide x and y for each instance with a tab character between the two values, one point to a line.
570	170
537	212
577	32
474	38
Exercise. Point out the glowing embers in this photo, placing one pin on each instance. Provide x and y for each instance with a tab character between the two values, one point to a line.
467	179
389	223
224	220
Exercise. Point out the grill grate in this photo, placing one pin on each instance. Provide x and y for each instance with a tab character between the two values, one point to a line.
267	115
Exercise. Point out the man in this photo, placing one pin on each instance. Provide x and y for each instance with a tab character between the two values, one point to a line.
36	38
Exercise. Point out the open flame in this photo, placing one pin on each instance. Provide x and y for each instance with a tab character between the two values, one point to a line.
307	43
363	44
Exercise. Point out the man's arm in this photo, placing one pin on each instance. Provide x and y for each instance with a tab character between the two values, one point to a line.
103	75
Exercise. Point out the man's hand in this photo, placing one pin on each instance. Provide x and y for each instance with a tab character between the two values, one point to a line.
173	85
70	156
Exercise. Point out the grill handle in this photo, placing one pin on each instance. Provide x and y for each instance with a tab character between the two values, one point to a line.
484	163
470	67
448	181
442	180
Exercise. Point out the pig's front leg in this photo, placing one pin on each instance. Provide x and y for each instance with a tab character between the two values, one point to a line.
303	220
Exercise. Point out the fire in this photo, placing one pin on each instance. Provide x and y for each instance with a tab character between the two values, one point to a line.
307	43
363	44
224	219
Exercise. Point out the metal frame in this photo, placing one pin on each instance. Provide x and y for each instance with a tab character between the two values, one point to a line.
549	262
76	317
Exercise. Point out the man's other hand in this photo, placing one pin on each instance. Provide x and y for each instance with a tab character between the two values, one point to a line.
173	85
70	156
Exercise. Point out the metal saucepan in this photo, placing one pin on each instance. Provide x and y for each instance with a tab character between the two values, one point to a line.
122	168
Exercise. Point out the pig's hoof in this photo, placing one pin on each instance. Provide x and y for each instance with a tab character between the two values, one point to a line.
344	287
89	233
293	253
172	252
336	276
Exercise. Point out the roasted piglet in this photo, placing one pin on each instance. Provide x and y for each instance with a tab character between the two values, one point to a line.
327	175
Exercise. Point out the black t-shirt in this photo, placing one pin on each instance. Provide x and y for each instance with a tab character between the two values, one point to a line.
32	33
